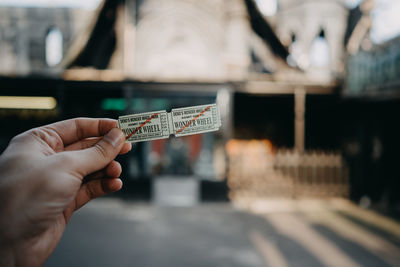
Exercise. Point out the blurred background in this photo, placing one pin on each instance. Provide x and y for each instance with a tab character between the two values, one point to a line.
304	170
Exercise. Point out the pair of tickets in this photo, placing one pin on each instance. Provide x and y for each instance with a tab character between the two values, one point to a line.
161	124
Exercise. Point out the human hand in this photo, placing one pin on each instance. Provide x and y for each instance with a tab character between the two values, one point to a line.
45	175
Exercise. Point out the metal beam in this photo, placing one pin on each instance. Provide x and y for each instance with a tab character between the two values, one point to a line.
278	87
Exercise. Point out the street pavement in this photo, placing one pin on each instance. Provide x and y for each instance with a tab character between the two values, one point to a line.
113	232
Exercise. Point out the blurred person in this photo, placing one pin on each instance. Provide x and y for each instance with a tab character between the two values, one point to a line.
46	174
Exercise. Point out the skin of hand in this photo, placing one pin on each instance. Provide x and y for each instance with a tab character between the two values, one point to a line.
46	174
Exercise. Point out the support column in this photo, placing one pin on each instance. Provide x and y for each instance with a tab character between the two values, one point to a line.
299	112
225	105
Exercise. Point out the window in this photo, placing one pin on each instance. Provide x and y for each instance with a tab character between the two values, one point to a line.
267	7
295	52
54	47
319	53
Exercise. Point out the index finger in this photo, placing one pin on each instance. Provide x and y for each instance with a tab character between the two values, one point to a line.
73	130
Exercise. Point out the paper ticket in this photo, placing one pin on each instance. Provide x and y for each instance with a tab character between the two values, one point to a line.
161	124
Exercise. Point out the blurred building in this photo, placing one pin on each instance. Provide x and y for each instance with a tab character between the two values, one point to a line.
134	56
276	74
33	40
371	96
314	32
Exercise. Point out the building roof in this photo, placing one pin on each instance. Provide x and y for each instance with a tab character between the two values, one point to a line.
95	46
262	28
100	39
355	15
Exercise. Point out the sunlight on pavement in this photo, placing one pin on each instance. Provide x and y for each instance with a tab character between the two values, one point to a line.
299	230
305	220
268	250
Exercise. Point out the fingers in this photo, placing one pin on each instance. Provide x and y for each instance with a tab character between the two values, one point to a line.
83	144
126	148
96	185
71	131
86	161
89	142
96	188
113	169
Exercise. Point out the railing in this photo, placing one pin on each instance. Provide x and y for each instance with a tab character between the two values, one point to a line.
374	71
314	173
257	171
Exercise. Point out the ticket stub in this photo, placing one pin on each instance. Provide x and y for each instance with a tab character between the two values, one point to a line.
145	126
161	124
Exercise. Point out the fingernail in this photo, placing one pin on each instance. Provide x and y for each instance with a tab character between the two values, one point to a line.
115	136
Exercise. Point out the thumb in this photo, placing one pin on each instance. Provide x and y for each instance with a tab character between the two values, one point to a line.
97	157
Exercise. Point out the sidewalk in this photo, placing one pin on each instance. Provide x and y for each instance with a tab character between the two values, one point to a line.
110	232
